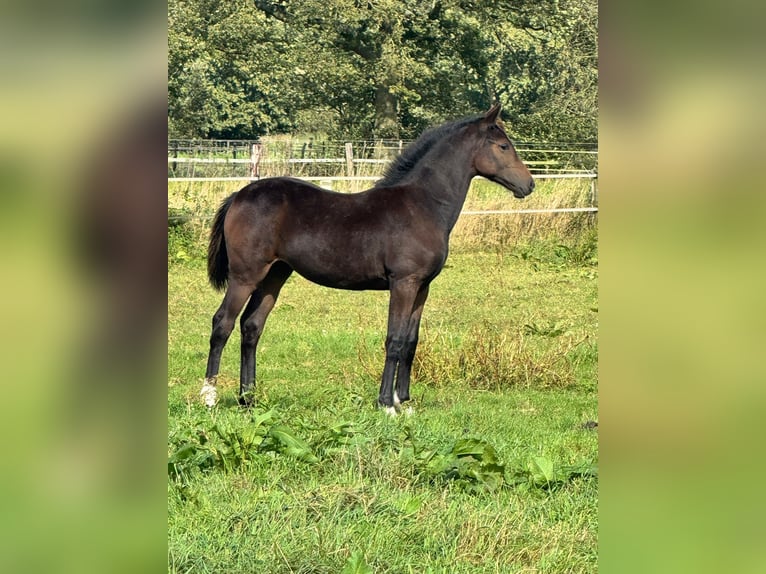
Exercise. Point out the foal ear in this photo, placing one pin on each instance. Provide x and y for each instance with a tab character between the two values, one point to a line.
493	114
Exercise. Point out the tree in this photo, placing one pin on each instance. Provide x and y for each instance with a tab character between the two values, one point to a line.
380	68
406	52
545	69
226	74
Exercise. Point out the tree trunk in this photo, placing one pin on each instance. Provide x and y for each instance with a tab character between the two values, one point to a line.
386	120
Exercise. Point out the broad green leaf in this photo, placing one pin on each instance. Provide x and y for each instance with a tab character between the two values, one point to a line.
356	564
303	454
470	446
477	448
293	446
285	436
541	469
262	418
412	505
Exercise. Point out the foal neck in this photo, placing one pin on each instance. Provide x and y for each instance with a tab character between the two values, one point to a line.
445	175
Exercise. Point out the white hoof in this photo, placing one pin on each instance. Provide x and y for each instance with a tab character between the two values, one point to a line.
390	411
409	411
208	393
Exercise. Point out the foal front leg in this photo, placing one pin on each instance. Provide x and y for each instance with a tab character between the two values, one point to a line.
400	310
402	391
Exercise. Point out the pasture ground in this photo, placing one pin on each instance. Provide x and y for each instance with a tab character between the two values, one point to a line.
316	480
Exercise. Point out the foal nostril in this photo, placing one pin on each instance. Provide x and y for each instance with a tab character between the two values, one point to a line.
531	186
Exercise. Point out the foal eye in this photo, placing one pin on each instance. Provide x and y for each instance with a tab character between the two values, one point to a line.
505	147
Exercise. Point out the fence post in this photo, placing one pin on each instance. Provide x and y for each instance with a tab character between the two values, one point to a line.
593	193
349	159
255	160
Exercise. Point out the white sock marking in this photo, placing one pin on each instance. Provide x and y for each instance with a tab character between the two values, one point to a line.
208	393
390	411
397	402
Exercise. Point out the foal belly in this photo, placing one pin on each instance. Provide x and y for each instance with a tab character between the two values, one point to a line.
351	283
339	268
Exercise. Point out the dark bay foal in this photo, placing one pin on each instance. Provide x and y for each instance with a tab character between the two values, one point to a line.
394	236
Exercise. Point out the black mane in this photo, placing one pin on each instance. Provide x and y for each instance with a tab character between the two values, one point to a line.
398	169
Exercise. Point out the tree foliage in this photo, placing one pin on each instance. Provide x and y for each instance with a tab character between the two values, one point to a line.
380	68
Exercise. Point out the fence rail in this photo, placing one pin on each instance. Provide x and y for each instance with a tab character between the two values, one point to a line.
287	157
521	211
355	162
325	180
372	177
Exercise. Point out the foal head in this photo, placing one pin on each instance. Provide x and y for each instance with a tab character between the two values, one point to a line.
496	158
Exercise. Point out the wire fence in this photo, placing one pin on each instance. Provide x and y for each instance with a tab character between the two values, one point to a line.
307	157
352	166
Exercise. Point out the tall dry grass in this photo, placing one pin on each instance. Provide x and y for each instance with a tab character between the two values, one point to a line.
490	358
500	231
194	203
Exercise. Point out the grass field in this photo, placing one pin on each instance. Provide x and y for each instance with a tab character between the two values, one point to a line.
494	471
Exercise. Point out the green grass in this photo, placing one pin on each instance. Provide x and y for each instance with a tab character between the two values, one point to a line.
508	357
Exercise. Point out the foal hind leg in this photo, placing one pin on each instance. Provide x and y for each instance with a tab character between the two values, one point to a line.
223	324
252	322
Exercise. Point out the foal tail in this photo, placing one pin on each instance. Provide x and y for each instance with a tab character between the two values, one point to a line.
217	260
